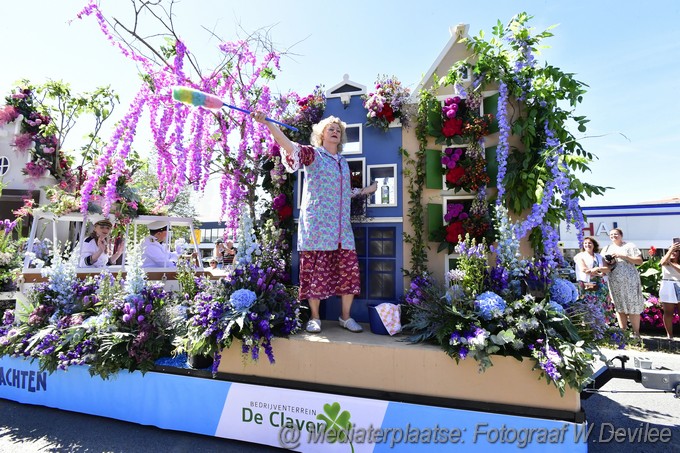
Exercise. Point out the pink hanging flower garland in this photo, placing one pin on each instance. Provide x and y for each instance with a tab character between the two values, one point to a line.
207	131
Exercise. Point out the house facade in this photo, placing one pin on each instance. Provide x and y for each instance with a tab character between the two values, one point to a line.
372	155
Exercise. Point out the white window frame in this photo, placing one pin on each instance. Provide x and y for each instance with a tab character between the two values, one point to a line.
458	198
5	164
361	140
468	70
447	258
486	94
395	188
363	169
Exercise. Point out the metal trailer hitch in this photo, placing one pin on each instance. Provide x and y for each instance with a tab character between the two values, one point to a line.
663	380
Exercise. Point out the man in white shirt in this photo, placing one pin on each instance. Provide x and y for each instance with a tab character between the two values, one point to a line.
154	250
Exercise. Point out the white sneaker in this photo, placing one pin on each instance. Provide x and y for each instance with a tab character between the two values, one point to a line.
350	324
313	326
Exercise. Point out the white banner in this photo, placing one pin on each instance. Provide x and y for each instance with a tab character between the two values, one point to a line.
299	420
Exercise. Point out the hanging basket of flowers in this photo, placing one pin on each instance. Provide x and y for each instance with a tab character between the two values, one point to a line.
387	104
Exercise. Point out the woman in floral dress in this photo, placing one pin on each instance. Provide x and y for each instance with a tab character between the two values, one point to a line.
624	281
328	260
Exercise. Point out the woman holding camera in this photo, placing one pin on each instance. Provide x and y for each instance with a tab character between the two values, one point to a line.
624	281
589	263
669	292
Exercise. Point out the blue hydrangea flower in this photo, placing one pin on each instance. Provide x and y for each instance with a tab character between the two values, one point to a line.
563	292
489	305
555	306
242	299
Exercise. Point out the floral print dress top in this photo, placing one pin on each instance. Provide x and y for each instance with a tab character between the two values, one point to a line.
624	281
325	210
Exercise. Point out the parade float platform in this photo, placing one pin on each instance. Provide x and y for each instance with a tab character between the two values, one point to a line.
397	396
380	366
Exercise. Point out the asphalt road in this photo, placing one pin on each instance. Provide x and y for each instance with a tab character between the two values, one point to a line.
624	408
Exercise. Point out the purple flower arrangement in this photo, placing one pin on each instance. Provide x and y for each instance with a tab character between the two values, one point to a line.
250	305
479	322
305	112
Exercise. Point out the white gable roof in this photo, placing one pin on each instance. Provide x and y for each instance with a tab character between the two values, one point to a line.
458	32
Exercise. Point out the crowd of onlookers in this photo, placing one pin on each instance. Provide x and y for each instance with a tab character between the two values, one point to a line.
615	267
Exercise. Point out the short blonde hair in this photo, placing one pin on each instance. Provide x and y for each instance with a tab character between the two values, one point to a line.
317	131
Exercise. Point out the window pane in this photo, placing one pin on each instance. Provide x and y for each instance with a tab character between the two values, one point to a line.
382	279
360	241
352	133
382	242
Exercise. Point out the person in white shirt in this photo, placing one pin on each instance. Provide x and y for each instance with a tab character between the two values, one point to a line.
669	291
589	263
97	249
155	252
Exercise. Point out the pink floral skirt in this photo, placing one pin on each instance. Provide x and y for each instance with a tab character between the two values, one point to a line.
328	273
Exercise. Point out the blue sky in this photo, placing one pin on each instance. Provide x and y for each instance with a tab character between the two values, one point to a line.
628	53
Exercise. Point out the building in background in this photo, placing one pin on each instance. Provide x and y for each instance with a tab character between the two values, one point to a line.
646	224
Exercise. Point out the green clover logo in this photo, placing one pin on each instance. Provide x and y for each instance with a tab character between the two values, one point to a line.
338	423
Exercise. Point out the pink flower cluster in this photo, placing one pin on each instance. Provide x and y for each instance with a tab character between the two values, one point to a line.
455	211
451	157
192	144
450	108
8	114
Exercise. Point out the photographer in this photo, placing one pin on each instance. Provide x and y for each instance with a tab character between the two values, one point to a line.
98	249
624	281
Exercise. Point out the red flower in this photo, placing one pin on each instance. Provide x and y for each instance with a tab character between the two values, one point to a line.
452	126
454	230
285	212
652	251
454	174
387	113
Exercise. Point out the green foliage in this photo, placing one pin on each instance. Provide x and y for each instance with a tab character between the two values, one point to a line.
541	97
650	276
414	172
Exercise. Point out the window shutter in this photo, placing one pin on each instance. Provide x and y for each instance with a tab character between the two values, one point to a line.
491	165
433	169
435	214
491	106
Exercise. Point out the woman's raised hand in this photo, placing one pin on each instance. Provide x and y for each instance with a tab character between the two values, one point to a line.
259	117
